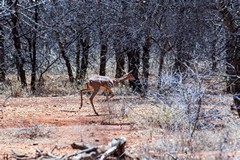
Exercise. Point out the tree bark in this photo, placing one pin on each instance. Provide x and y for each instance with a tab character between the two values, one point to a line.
82	69
145	63
2	56
103	41
160	69
214	53
120	63
78	53
66	59
232	50
103	59
119	57
84	59
17	45
183	45
133	65
34	51
182	58
236	106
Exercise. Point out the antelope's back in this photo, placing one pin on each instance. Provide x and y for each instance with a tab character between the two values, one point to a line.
103	81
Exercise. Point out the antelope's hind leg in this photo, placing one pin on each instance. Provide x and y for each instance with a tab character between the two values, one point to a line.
110	93
107	92
94	93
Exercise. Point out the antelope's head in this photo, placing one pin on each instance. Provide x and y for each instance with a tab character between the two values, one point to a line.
129	76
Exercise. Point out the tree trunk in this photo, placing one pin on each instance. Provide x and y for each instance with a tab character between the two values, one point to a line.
119	57
236	64
103	60
34	52
78	53
120	62
103	40
161	62
183	56
82	70
232	50
145	63
236	106
233	64
66	59
2	56
214	55
17	45
84	60
133	65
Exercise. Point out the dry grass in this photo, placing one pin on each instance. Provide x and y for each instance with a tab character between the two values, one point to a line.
217	135
52	85
33	132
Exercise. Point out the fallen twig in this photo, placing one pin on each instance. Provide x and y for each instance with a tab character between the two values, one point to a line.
113	151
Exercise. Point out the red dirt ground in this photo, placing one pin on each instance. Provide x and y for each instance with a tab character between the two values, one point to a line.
61	123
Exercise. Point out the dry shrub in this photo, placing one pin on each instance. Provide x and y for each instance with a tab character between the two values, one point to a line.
205	144
50	85
33	132
217	135
13	89
55	85
190	123
16	90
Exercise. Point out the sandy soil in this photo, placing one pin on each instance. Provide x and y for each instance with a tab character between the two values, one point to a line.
43	122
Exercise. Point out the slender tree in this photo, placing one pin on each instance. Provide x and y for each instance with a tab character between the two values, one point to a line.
81	70
145	61
102	39
145	17
34	47
134	65
120	64
103	55
118	39
183	56
78	54
17	43
65	57
2	55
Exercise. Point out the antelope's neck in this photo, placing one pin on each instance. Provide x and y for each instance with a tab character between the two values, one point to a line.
121	79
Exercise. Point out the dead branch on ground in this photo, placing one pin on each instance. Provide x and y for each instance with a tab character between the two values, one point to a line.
115	150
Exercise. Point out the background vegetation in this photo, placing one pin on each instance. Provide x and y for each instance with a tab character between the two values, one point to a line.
148	37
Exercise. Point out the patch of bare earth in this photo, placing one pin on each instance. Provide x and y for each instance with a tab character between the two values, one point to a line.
58	121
